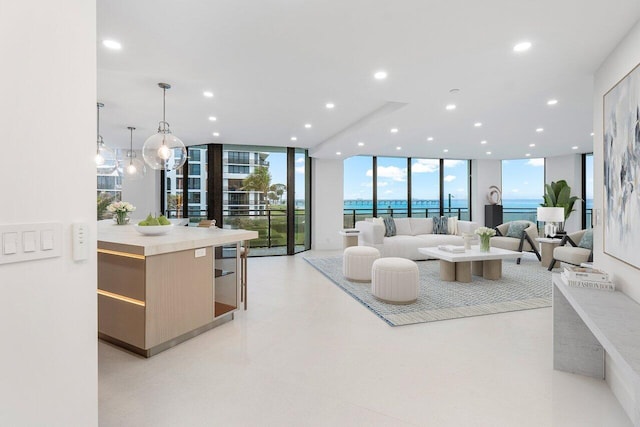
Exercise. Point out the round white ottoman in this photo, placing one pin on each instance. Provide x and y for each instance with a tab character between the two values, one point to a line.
357	262
395	280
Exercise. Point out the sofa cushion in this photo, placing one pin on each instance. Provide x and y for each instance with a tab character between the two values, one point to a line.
516	229
587	240
421	225
440	225
389	227
452	225
403	227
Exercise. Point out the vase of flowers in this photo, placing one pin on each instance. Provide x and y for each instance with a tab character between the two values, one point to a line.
485	234
120	211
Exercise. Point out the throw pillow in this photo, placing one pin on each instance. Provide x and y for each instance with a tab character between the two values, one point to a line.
516	229
587	240
389	227
440	225
378	221
452	225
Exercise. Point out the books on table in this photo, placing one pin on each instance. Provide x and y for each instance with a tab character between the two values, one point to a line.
591	278
451	248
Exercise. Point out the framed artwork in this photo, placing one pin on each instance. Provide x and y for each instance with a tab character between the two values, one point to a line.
622	169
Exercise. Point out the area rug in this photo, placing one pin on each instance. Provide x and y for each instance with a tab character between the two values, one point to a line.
522	287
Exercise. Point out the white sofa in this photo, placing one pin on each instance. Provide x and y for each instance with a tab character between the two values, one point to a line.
411	234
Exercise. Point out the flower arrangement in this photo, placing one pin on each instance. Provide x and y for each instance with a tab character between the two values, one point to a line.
120	210
485	234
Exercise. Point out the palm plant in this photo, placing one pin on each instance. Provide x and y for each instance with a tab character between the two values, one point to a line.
259	180
558	194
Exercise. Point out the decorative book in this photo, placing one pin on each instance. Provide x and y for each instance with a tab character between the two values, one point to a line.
451	248
589	284
586	273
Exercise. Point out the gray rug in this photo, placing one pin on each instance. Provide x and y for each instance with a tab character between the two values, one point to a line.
522	287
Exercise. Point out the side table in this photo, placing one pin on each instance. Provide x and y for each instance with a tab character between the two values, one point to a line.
349	237
547	245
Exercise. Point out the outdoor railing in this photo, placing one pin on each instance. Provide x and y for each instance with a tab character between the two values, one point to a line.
351	216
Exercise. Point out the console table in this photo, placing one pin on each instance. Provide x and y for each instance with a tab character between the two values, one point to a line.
586	324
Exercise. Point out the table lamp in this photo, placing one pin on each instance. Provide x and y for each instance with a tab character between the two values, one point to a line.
550	216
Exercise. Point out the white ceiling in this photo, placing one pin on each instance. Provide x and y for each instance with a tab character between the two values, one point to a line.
273	64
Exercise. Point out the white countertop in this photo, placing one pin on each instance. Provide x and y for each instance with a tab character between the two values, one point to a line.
472	254
179	239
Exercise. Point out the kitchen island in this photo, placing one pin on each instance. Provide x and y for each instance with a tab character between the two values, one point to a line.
157	291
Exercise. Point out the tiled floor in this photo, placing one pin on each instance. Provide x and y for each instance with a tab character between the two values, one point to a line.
307	354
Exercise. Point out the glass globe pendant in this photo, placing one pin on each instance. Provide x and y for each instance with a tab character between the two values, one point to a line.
164	150
106	160
132	168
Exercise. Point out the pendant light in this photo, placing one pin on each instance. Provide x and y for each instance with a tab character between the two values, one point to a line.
106	161
164	150
131	168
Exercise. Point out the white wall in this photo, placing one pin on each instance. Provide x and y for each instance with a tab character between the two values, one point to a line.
620	62
568	168
327	203
48	362
143	194
484	174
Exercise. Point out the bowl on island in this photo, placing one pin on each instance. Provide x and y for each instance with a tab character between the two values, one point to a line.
153	230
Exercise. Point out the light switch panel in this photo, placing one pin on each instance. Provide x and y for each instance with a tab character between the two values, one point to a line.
28	242
201	252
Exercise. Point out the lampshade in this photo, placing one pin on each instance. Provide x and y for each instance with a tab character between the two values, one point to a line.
164	150
549	214
106	160
131	168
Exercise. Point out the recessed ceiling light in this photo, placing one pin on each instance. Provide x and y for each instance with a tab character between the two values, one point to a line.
329	105
112	44
293	138
360	144
477	124
488	152
338	153
216	134
207	94
308	125
483	142
522	46
398	148
450	107
592	134
430	138
380	75
532	145
528	155
445	150
575	147
212	118
552	102
394	130
540	130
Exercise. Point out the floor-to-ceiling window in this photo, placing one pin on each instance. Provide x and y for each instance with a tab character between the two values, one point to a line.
302	210
357	189
425	187
392	186
588	191
522	188
197	184
455	188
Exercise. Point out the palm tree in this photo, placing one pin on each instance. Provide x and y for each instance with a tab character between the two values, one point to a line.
278	190
259	180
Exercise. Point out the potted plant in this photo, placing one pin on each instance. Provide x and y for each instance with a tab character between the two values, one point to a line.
556	195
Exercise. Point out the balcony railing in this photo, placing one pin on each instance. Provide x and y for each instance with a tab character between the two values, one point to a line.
351	216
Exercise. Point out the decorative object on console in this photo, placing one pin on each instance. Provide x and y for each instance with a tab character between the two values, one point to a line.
590	278
558	194
106	161
485	234
551	216
164	151
120	211
494	196
621	166
132	168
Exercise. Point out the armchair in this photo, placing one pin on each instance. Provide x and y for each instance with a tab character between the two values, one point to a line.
525	242
574	253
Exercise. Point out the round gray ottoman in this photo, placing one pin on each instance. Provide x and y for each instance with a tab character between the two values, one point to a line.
395	280
357	262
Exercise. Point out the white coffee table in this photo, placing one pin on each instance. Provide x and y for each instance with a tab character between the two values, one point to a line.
460	266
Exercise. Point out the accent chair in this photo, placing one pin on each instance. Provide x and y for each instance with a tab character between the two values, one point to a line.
517	236
578	250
